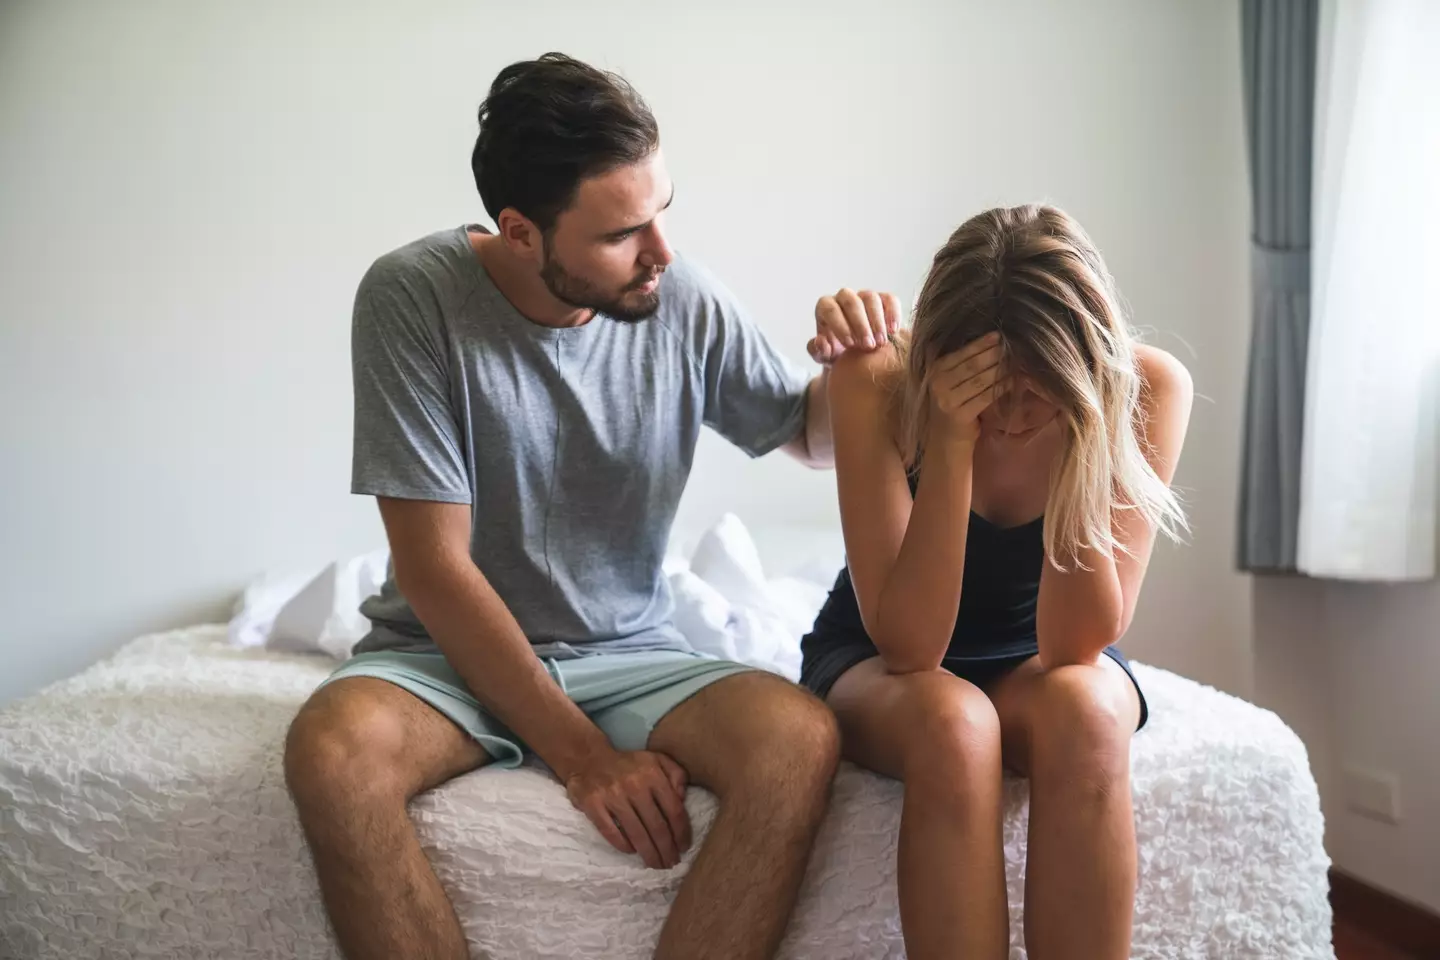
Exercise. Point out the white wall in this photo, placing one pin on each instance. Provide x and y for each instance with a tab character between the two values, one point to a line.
191	191
1352	668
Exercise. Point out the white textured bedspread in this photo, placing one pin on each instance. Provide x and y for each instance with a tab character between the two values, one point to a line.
143	814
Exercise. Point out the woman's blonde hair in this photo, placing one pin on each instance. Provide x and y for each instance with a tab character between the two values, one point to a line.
1032	274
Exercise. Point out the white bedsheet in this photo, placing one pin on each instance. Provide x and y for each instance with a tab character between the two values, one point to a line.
143	814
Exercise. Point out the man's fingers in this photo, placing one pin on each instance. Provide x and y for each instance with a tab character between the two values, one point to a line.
891	304
824	349
865	319
856	321
635	832
830	320
657	823
675	773
833	318
606	825
672	805
874	316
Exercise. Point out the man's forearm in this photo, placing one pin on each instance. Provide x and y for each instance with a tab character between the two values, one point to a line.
815	446
481	640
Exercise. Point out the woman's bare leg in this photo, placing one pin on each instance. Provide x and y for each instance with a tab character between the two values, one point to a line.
941	736
1069	731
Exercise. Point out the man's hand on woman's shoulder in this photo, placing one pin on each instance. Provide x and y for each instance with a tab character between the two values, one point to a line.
851	320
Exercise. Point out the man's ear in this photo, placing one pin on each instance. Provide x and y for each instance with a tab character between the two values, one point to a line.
520	235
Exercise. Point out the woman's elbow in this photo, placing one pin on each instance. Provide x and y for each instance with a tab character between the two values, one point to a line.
906	646
1076	647
910	657
900	666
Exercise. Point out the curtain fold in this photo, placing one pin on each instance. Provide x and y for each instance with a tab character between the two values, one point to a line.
1279	47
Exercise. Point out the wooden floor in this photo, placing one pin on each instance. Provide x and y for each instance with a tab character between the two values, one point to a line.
1353	943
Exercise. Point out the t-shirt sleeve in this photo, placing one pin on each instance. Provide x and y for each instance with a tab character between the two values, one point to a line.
754	396
407	443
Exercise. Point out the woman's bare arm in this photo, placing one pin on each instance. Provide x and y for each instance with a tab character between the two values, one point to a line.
907	558
1080	612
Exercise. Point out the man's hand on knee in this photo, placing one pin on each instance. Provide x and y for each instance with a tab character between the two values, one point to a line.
637	801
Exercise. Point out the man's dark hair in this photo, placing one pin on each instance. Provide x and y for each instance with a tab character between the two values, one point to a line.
549	124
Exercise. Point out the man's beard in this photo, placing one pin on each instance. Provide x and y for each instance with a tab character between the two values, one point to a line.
584	295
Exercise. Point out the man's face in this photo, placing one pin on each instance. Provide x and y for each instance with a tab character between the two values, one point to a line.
607	250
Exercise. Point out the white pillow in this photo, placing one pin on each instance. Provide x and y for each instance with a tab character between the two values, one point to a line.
324	616
726	559
703	616
253	618
766	618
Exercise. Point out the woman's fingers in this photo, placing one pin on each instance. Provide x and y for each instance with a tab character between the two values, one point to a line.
968	407
971	351
978	402
971	367
982	368
955	393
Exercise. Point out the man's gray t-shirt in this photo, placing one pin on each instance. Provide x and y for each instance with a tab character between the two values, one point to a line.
572	446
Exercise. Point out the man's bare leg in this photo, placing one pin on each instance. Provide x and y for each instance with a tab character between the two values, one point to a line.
768	750
358	751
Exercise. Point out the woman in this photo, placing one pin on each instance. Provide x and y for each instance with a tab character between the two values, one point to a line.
1003	470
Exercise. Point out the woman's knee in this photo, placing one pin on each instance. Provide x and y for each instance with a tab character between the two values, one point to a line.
1080	724
948	729
344	746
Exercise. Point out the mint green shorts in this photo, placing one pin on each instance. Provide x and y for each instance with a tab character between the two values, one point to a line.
625	694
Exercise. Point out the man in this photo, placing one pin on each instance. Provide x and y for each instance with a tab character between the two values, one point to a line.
527	405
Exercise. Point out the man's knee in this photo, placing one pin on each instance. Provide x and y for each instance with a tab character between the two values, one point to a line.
786	749
344	747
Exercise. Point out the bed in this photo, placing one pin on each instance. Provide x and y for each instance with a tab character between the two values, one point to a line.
143	814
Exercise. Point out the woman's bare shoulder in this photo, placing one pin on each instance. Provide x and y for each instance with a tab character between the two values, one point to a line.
1166	380
1166	395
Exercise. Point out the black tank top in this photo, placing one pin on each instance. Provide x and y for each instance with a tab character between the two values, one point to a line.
998	593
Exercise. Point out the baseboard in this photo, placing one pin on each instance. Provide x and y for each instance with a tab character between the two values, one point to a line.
1398	922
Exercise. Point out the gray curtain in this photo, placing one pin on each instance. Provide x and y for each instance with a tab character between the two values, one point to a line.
1279	42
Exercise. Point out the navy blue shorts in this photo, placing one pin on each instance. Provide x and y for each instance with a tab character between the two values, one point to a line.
826	658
